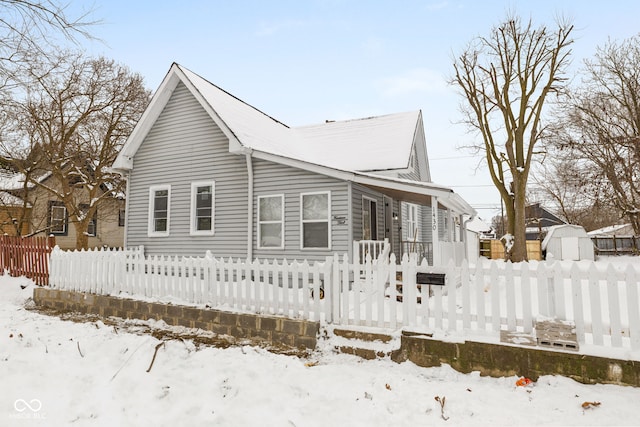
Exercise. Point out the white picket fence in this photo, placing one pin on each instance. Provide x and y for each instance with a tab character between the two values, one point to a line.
475	300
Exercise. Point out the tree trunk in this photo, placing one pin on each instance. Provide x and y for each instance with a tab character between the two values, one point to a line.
519	252
82	240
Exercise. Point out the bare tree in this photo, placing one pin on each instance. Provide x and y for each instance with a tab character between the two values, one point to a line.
600	127
70	126
29	28
505	80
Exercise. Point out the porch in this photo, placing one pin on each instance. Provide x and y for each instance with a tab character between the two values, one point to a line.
418	219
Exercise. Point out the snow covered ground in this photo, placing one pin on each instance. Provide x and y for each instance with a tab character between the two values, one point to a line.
57	373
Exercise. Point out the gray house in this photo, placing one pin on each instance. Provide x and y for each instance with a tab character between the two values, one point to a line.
207	171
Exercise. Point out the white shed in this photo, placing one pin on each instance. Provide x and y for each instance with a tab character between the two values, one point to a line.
568	242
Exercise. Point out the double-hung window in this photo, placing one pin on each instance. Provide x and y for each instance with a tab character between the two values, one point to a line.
202	208
271	222
315	220
159	208
57	218
413	226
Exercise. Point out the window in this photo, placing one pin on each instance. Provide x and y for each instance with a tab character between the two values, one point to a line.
413	228
121	217
315	213
369	219
159	205
91	227
57	218
271	221
202	194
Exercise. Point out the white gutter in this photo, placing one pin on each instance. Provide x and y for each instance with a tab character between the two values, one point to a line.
247	154
464	230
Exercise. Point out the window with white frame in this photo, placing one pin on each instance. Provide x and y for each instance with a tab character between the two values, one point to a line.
369	219
271	221
202	208
315	220
159	207
57	218
413	227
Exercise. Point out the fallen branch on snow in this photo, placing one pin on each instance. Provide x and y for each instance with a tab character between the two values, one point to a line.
441	402
154	355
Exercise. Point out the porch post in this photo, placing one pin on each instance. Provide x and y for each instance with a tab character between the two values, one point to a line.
435	249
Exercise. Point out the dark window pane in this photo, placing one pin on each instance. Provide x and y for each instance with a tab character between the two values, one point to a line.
315	235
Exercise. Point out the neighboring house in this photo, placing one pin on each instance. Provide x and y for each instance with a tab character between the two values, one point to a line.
47	215
206	171
11	208
539	220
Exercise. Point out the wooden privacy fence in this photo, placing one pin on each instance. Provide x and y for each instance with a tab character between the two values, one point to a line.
483	299
26	256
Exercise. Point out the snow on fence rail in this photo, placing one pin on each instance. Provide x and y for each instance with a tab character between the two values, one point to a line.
482	299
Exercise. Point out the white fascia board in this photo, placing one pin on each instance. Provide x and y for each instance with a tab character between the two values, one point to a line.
299	164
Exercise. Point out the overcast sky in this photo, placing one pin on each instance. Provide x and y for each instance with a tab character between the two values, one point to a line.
304	62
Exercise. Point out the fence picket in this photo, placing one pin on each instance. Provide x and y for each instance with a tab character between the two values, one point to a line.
596	312
494	292
511	296
480	296
633	302
526	298
466	297
614	307
452	296
577	301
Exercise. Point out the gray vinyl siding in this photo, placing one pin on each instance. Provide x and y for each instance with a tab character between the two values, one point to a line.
275	179
184	146
358	193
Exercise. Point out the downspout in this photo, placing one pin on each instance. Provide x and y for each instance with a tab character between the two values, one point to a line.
350	253
126	209
247	154
463	232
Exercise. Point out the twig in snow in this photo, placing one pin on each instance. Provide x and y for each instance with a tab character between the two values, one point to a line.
46	349
154	355
441	402
126	361
79	351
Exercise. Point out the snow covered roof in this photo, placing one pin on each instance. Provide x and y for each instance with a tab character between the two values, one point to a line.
7	199
369	144
344	149
10	180
618	230
373	143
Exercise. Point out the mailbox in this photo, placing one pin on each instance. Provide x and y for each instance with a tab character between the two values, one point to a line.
430	279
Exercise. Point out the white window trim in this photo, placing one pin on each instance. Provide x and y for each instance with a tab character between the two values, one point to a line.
413	221
193	222
328	220
281	222
150	226
369	200
64	216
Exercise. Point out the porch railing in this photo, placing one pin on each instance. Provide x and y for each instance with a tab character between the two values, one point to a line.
375	248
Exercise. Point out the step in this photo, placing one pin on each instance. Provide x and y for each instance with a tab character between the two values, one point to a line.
364	344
